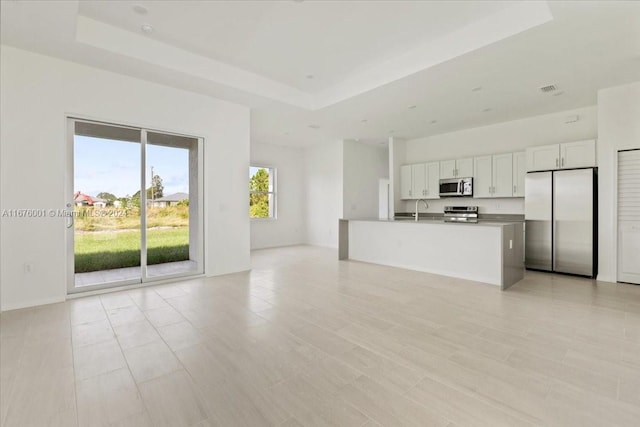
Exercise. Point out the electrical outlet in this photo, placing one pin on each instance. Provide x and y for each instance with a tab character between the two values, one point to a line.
27	267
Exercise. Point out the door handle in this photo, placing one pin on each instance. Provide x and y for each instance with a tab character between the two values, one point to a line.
514	189
562	164
70	220
557	162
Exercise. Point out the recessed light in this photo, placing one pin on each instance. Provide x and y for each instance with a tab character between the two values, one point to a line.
285	133
146	28
433	122
411	107
310	76
314	126
364	121
558	93
476	89
140	9
486	110
357	139
392	131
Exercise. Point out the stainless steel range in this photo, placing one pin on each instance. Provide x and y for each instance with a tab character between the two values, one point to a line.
468	214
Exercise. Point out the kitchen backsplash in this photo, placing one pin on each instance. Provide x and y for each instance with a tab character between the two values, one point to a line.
486	206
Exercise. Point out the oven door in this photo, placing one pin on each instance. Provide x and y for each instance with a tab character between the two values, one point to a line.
450	187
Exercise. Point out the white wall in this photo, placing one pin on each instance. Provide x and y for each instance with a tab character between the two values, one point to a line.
618	129
363	167
289	227
323	169
37	93
504	137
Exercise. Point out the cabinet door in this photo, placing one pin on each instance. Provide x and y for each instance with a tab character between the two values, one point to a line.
519	172
464	167
405	182
579	154
503	175
433	180
447	169
542	158
628	249
482	181
418	187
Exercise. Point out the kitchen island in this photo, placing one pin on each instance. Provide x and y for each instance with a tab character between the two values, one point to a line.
487	251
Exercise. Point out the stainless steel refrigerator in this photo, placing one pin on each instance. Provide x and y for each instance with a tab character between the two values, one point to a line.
561	217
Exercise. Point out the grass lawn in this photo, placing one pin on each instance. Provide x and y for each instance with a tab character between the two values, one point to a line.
119	249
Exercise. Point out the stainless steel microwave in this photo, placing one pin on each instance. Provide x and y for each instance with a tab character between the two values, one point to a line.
456	187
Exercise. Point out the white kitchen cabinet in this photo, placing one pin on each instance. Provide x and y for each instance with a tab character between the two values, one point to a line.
493	176
464	168
406	183
433	180
546	157
502	175
519	173
447	169
569	155
460	168
579	154
482	177
418	181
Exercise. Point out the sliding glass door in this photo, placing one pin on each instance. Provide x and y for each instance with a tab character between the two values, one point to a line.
135	205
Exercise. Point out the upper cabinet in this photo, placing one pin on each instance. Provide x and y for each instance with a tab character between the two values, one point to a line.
406	182
420	181
460	168
482	179
569	155
579	154
493	176
543	158
519	173
432	173
502	175
498	175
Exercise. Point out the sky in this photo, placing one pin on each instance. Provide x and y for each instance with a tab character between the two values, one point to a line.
104	165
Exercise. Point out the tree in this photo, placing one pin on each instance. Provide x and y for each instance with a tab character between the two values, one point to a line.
126	201
107	197
156	187
156	190
259	194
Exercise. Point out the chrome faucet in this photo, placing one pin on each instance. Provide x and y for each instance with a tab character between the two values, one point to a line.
425	205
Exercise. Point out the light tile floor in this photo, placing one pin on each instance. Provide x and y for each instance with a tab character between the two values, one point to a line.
304	339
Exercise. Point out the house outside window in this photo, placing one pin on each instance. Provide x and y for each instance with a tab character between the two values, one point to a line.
262	192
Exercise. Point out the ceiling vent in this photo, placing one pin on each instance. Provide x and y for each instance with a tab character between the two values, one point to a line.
548	88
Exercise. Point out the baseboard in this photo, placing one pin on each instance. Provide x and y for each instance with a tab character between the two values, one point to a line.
30	304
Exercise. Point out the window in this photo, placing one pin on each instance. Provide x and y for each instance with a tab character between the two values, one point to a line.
262	192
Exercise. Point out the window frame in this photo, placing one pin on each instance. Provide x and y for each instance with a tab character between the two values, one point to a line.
273	207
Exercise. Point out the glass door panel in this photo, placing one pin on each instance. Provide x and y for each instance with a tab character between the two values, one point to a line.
105	206
172	206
